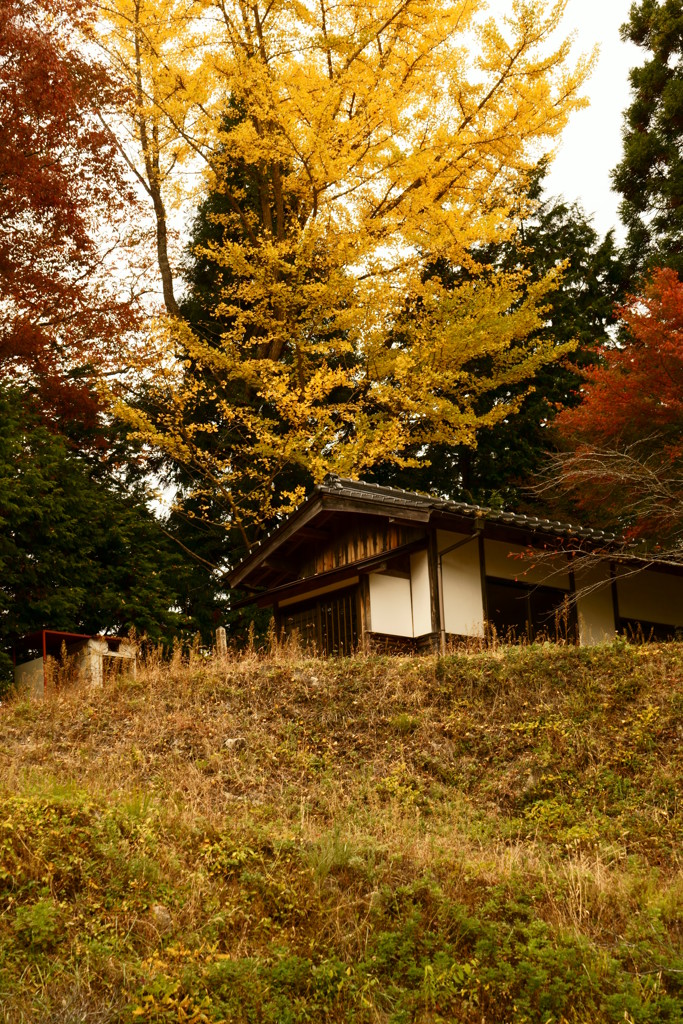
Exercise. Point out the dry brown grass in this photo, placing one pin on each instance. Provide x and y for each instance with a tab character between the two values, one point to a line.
546	770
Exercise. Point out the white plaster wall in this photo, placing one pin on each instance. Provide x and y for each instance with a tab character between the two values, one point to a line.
421	593
595	606
391	608
30	677
501	562
463	602
652	596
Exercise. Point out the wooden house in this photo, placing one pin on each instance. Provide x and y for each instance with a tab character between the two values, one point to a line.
359	563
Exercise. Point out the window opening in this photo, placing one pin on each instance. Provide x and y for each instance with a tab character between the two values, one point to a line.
638	631
520	612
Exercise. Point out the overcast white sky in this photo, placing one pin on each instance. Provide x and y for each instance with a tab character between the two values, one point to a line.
591	144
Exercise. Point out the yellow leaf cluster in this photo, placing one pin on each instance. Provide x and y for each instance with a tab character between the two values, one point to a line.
356	146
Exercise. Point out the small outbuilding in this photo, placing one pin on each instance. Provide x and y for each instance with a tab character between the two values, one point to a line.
358	564
40	657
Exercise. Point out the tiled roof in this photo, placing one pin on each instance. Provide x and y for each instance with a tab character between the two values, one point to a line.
394	496
359	490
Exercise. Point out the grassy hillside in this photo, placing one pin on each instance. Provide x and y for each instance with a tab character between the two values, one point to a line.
483	839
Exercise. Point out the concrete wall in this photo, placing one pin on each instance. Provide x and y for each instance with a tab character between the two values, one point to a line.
461	579
595	606
30	677
650	596
90	664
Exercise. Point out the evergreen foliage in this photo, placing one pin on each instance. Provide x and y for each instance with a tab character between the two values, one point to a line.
650	175
581	309
201	519
343	184
76	553
207	310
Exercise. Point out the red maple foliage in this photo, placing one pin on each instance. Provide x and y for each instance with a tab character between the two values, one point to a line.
625	439
637	391
61	190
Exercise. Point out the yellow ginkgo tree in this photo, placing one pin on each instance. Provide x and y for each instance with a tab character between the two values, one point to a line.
355	147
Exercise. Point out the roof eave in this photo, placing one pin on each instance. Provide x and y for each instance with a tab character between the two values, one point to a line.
271	542
357	497
322	498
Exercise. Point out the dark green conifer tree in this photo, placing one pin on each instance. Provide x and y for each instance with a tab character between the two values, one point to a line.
582	308
201	519
650	175
77	552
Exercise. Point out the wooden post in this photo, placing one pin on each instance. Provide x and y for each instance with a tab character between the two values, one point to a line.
434	582
573	602
615	597
364	623
221	642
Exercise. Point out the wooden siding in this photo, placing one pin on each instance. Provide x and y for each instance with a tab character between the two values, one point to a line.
327	625
366	537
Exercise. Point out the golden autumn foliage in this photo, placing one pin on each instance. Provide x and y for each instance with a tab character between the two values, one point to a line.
356	146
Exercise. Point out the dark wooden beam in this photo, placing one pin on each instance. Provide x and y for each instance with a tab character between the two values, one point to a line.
386	510
434	583
282	566
615	597
311	533
300	587
299	519
482	577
